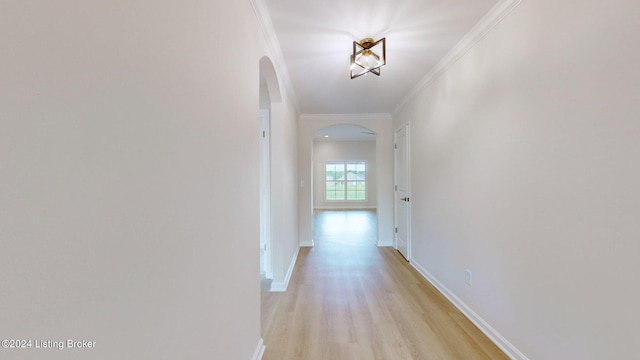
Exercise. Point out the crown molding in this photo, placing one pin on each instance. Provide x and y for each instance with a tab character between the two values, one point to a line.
479	31
345	117
264	19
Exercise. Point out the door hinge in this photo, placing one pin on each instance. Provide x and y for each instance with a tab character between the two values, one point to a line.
264	134
396	187
395	146
396	230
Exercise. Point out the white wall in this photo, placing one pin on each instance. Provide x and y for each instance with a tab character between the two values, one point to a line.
324	151
119	222
284	200
525	170
381	125
283	170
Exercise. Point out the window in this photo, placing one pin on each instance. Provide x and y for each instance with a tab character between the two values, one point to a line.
350	187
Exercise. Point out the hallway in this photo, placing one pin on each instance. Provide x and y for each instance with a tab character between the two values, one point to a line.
348	299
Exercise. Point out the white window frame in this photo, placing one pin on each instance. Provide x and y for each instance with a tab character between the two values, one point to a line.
344	164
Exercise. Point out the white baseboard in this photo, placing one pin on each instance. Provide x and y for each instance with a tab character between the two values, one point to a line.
257	355
307	243
345	207
282	286
384	243
509	349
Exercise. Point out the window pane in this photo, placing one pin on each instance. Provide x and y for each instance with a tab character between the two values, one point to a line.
335	190
334	175
351	190
356	176
334	171
356	171
361	186
331	195
339	190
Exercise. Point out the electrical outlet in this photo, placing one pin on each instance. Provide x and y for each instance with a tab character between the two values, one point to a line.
467	277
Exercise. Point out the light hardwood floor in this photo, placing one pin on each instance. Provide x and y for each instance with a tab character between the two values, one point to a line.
348	299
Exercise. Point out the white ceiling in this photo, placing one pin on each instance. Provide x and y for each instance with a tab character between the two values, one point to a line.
316	38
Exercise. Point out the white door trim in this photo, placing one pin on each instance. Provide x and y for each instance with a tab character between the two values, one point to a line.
407	175
265	192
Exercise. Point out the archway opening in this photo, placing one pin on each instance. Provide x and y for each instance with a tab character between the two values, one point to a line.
269	94
344	178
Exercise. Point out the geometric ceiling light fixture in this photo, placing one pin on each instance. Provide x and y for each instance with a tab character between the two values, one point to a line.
368	57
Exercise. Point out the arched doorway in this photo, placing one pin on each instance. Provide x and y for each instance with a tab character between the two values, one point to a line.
344	168
310	126
269	95
344	179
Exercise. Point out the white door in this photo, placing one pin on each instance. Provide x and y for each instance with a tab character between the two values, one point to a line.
402	199
265	196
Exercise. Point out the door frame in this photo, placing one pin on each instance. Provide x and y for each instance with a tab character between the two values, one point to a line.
407	174
265	191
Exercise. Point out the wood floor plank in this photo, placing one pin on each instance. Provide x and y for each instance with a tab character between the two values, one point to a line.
348	299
